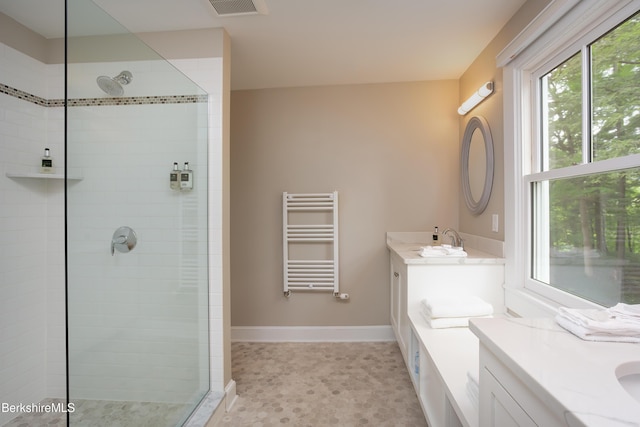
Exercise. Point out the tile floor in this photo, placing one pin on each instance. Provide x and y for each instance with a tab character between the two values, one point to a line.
101	413
51	419
296	384
322	384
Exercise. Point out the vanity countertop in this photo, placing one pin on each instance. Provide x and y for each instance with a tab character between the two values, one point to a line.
407	247
570	375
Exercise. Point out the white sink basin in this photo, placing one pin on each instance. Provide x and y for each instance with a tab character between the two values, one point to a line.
628	375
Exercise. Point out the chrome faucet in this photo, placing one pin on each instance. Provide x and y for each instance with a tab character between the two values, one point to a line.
456	240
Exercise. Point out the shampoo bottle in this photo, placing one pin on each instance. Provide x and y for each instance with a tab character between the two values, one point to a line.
186	178
46	163
174	177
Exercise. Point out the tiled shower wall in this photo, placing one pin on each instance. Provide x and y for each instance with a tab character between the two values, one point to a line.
135	318
31	218
32	352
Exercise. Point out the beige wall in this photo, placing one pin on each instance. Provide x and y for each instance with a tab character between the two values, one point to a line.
480	71
170	44
391	151
22	39
226	208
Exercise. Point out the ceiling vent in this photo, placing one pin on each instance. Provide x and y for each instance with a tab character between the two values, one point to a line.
239	7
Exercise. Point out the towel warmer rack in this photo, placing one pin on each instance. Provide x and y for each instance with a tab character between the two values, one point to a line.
310	229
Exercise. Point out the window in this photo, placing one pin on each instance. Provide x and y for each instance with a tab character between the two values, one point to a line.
584	177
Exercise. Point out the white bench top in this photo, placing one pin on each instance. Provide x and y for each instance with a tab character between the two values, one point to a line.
454	351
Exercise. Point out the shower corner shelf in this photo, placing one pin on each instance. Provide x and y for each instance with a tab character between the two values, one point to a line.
34	175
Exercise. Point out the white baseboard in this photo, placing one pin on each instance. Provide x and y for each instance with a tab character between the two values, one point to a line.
230	395
312	333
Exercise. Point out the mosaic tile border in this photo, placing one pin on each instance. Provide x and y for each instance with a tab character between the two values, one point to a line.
96	102
25	96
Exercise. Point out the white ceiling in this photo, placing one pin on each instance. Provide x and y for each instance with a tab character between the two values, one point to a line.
308	43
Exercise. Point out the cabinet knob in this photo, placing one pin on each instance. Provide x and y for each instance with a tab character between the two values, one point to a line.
395	274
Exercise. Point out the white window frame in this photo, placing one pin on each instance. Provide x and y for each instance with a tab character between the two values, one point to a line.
552	37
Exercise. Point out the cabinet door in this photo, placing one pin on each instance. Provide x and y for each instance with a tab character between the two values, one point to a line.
398	309
399	318
498	408
404	328
395	296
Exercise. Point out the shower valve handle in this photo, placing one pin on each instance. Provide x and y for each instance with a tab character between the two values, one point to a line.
124	240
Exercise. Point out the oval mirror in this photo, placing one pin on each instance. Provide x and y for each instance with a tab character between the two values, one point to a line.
476	164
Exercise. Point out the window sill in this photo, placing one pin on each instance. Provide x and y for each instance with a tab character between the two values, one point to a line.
524	303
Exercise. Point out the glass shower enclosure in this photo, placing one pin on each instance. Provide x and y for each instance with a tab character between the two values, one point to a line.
136	229
105	266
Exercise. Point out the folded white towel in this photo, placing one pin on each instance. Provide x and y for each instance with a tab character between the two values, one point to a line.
474	395
456	306
473	377
591	335
444	250
629	312
446	322
601	321
473	388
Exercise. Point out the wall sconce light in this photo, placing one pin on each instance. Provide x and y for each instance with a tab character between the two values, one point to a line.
475	99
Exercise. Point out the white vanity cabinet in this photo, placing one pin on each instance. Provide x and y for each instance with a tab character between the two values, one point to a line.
411	281
534	373
438	359
505	401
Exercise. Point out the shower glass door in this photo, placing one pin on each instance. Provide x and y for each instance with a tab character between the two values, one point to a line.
137	285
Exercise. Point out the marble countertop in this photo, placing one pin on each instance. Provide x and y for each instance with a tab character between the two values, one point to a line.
569	374
407	246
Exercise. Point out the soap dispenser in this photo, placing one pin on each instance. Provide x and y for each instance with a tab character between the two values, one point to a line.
186	178
436	237
174	177
46	162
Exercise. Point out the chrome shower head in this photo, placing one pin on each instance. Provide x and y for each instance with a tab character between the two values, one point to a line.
113	86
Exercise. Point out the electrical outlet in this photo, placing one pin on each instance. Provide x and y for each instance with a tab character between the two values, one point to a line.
494	223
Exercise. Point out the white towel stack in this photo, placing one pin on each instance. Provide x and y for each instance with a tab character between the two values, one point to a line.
453	311
473	388
620	323
443	250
